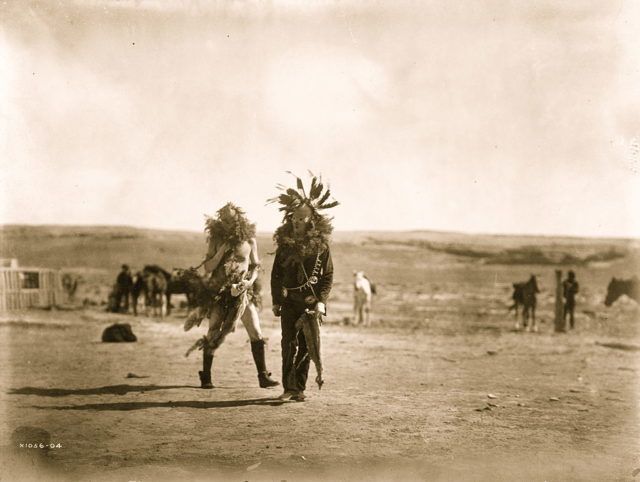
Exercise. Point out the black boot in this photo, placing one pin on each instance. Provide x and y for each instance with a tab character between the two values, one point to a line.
257	350
205	374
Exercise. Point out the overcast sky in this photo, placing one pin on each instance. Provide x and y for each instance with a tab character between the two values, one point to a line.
479	116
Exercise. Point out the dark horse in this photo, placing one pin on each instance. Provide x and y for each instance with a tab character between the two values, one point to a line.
152	283
524	294
174	285
182	283
619	287
139	288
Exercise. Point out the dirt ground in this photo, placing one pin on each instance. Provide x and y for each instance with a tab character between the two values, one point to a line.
458	395
440	387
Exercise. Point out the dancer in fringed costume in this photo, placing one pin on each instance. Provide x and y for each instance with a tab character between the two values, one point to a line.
301	280
229	292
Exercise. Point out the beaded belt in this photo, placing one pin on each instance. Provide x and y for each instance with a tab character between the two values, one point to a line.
311	280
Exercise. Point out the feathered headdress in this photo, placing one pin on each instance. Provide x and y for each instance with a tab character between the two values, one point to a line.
317	198
316	237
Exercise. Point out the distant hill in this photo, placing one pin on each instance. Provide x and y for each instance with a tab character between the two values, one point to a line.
394	255
98	247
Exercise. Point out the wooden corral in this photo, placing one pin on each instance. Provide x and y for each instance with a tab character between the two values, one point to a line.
22	288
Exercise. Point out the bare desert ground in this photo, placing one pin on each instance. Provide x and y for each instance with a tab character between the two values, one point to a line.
440	387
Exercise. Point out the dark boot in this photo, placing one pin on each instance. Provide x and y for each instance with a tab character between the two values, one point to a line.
257	350
205	374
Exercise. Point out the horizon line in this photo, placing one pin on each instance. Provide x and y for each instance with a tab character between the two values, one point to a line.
399	231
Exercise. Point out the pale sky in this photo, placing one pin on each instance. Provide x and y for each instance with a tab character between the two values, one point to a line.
488	116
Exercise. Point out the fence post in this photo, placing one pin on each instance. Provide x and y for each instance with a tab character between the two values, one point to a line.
559	321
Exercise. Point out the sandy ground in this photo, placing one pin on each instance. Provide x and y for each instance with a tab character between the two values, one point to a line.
457	397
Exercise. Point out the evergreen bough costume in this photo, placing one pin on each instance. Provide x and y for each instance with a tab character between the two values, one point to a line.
224	291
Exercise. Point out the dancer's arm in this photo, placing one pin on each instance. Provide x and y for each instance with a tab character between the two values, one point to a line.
216	251
254	263
325	282
276	283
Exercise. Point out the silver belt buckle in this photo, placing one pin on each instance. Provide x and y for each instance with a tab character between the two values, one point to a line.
284	292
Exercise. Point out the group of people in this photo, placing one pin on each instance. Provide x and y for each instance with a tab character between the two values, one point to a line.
301	279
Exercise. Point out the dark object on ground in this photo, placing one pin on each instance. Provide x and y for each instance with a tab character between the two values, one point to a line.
118	332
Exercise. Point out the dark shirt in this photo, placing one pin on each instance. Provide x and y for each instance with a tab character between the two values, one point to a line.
289	274
124	280
570	289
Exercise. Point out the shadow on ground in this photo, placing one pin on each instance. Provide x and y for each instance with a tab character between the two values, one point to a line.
126	406
107	390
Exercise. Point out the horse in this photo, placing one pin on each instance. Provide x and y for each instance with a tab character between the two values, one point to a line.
619	287
180	281
139	288
155	291
156	270
176	284
152	283
363	290
185	282
524	294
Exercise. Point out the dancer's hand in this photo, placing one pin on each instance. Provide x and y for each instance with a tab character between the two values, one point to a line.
276	310
320	308
237	289
317	314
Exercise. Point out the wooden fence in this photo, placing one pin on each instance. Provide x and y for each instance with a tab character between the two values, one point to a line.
22	288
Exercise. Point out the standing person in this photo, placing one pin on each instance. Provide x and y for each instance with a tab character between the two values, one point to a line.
124	284
302	276
570	288
231	266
